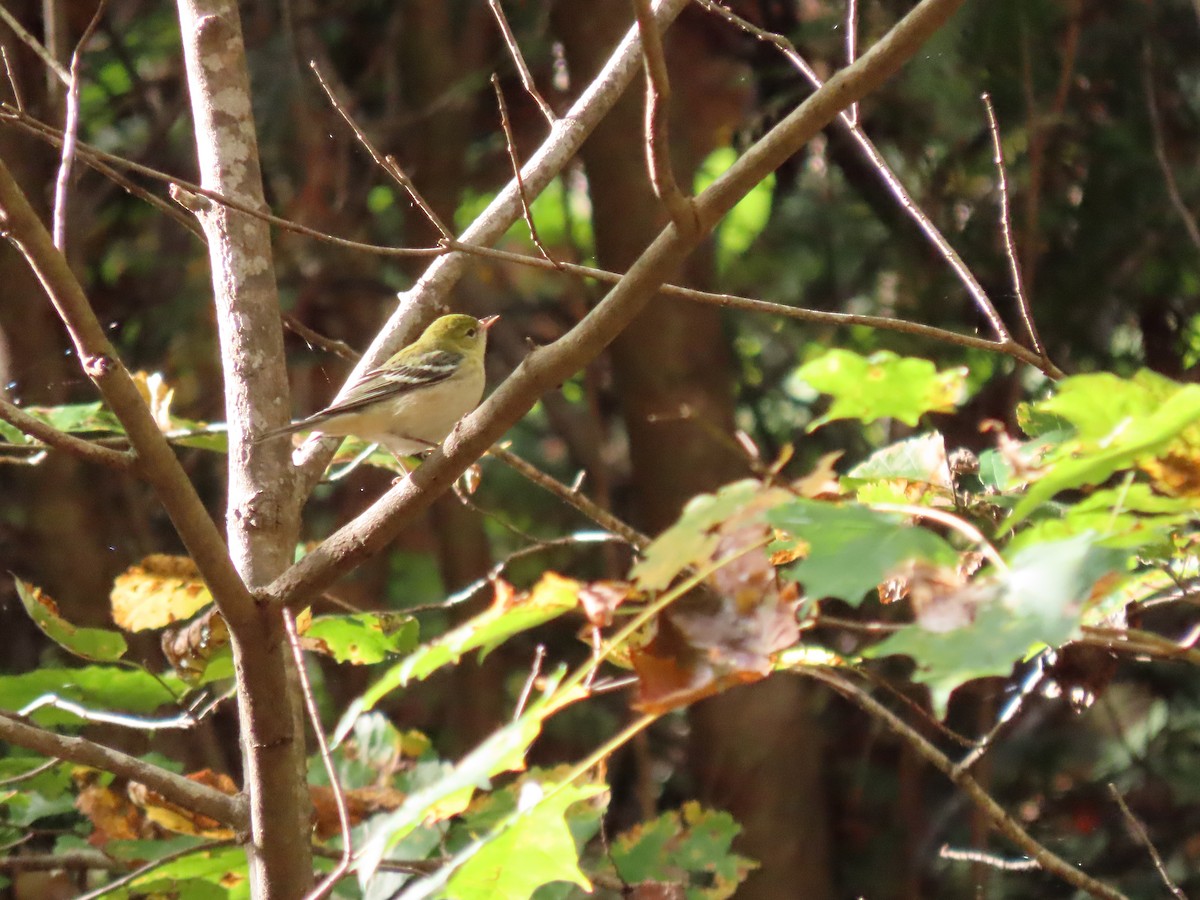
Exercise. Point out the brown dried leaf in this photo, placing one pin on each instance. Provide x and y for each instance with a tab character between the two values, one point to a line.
185	821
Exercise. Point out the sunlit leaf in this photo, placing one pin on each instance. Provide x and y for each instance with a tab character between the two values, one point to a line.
362	638
502	751
552	596
94	644
882	385
158	591
535	849
1135	439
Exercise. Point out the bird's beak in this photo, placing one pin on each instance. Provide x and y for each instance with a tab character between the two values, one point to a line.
488	321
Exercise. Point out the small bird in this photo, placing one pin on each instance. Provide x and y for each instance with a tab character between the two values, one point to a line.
411	402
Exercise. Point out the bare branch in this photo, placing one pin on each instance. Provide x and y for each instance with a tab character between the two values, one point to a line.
658	145
511	143
571	497
731	301
339	798
1160	148
514	51
60	440
92	860
71	133
999	819
95	158
35	45
179	790
547	367
387	163
12	79
988	859
1138	830
316	339
852	52
872	155
1006	230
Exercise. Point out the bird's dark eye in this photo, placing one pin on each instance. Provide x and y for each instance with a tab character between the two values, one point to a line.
471	332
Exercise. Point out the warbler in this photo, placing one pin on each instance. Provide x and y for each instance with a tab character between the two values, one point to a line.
411	402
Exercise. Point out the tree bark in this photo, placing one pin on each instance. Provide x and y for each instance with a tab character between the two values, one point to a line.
262	518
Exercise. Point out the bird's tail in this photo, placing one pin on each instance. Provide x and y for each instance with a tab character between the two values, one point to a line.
290	428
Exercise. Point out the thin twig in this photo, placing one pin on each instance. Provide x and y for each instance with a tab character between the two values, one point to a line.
1160	149
92	860
316	339
35	45
464	594
730	301
91	155
995	813
852	52
149	867
1006	230
60	440
514	51
579	501
988	859
680	208
535	670
32	773
12	79
511	143
387	163
1133	640
872	155
1138	830
71	133
180	721
339	798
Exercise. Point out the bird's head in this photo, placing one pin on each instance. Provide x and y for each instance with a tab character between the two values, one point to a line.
458	332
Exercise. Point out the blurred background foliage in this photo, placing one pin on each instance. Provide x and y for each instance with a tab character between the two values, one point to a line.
1099	108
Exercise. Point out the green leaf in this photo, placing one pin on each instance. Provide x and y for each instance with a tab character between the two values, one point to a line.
517	858
97	687
692	845
1075	466
504	750
201	868
364	638
94	644
883	385
1098	404
25	806
921	458
852	549
1129	516
552	597
1039	602
77	417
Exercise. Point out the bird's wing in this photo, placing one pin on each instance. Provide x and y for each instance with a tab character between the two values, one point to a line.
386	383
